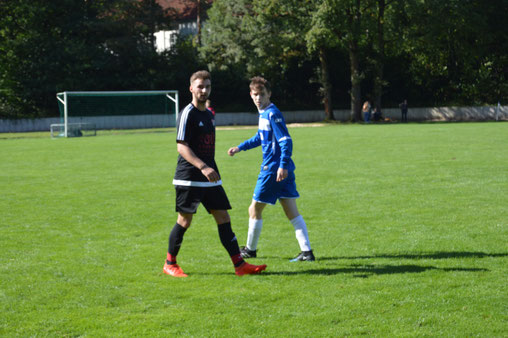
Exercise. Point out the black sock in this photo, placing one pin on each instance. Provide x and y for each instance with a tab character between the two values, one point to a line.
228	240
175	241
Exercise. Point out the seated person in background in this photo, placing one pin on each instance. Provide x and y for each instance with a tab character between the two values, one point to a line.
377	114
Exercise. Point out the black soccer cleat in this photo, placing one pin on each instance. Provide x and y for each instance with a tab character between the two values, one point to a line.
246	253
306	256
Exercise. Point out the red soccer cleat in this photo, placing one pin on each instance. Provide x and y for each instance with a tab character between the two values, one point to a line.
249	269
173	270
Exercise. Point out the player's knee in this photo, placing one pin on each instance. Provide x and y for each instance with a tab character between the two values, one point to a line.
221	216
290	208
256	210
184	220
292	215
223	219
254	215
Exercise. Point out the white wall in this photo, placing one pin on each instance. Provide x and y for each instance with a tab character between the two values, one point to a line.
487	113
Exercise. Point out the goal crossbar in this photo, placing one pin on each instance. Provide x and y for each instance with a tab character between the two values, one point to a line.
119	93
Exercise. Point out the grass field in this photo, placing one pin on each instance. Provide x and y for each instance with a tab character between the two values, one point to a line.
408	223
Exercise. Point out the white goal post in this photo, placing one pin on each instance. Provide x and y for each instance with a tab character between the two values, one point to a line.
95	107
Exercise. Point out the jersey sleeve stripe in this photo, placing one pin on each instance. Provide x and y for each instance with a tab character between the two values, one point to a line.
183	123
284	138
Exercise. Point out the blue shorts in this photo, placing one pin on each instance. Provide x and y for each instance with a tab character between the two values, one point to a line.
268	190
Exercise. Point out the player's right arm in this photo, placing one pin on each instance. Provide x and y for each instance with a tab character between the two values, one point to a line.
233	150
186	152
253	142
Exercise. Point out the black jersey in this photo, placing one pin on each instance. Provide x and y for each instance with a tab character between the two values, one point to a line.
197	129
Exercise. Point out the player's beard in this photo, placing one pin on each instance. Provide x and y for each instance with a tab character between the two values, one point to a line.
202	98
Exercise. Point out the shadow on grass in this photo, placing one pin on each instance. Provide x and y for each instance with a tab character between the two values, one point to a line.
432	255
367	270
364	271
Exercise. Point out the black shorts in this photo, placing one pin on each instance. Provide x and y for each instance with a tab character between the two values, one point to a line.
188	199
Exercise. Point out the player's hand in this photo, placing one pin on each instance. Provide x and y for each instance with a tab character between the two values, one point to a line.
281	174
232	151
210	174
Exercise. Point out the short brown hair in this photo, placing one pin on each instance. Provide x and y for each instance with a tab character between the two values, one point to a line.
258	82
201	74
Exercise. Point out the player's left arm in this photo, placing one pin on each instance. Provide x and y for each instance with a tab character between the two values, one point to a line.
285	142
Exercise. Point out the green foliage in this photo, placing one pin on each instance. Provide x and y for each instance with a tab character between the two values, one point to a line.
47	47
32	50
430	52
458	49
264	37
407	222
224	42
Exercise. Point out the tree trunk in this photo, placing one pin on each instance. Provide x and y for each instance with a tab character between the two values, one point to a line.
326	86
356	80
380	59
152	25
354	18
198	23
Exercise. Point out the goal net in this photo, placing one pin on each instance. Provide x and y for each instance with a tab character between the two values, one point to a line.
82	112
73	129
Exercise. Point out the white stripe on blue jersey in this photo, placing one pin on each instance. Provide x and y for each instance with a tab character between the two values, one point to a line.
264	124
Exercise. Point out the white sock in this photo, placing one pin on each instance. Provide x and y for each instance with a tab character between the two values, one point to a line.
255	226
301	233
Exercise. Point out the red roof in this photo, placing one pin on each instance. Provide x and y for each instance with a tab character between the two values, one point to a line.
183	9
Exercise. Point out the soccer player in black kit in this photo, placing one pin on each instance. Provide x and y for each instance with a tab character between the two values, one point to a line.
197	179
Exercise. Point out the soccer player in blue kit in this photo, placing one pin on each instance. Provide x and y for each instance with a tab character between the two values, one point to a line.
276	180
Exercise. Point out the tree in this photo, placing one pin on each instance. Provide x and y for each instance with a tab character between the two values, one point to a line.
224	39
319	39
339	23
201	7
380	53
387	40
266	36
38	52
47	47
282	24
147	17
458	49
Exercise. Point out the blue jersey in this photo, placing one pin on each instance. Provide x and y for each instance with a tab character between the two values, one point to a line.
274	139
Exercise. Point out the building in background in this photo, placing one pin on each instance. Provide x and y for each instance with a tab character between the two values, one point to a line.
187	17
